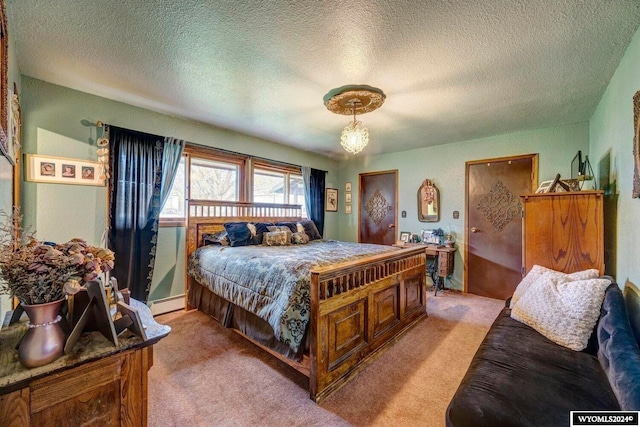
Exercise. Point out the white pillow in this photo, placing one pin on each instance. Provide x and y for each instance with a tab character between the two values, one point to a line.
563	311
537	271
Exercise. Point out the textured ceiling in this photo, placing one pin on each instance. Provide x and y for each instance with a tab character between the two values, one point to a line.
452	70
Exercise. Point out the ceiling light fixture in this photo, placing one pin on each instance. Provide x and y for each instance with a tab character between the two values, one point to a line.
354	99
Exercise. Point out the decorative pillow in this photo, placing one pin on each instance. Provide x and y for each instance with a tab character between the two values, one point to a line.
220	238
238	233
311	229
290	225
277	238
538	270
562	310
257	231
299	238
279	228
252	229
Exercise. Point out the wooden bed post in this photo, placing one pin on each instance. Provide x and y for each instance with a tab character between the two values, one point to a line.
314	336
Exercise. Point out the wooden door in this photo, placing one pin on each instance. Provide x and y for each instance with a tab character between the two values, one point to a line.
377	213
494	223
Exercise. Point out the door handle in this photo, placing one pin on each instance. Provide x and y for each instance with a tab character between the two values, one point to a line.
392	226
474	230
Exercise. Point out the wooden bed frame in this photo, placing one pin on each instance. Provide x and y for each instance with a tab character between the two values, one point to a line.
358	308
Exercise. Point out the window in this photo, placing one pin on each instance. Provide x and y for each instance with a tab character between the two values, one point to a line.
278	184
269	186
203	174
209	174
296	192
175	205
214	180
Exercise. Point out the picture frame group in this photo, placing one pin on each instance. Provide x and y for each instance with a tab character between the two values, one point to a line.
60	170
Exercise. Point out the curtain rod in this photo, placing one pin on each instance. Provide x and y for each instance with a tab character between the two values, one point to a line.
102	124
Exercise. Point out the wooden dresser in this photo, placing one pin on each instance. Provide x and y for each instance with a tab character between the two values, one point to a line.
97	384
563	231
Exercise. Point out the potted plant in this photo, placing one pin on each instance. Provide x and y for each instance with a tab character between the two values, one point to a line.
40	275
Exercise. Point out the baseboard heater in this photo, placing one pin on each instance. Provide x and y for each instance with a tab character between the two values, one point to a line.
166	305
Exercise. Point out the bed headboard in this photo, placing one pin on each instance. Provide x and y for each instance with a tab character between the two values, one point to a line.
207	216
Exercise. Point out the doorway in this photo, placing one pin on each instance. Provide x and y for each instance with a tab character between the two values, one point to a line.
493	228
377	213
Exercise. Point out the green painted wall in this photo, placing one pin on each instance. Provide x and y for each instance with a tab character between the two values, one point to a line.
611	137
6	169
445	166
57	121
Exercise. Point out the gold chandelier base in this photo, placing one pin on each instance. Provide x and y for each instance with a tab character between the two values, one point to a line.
363	98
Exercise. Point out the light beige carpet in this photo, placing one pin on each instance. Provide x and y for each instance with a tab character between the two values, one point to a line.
206	375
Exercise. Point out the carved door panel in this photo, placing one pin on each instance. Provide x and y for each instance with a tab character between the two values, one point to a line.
494	223
377	214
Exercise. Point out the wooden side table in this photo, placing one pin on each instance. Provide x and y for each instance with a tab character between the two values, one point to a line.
97	384
443	259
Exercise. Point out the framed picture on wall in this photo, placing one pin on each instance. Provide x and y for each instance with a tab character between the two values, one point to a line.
347	186
331	203
347	197
60	170
347	209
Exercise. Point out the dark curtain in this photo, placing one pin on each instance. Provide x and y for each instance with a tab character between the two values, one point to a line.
135	181
316	190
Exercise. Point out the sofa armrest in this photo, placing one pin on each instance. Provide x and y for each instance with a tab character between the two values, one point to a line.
618	350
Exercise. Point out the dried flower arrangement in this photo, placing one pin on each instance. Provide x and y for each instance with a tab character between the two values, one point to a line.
39	272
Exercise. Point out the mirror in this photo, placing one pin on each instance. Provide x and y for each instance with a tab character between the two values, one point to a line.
428	202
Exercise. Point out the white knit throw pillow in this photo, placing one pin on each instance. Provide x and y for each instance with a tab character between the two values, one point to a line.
538	270
563	311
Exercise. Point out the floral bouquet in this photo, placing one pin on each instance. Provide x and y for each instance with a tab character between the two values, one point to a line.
39	272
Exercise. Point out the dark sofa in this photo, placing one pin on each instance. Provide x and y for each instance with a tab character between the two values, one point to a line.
520	378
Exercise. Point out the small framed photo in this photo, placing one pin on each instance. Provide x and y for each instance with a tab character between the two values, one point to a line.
60	170
404	236
331	202
347	209
347	186
347	197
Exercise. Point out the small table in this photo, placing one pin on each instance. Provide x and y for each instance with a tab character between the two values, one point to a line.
97	383
442	266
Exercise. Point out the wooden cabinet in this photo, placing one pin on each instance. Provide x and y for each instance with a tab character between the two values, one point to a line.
109	392
563	231
96	384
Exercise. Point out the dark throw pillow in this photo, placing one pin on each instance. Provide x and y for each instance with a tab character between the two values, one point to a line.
290	225
238	233
220	239
260	229
311	230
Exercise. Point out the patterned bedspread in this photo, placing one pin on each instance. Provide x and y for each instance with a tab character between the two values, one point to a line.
273	282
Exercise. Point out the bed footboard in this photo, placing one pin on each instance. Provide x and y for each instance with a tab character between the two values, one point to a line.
357	310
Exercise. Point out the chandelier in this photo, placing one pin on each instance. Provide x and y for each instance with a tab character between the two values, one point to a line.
353	99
